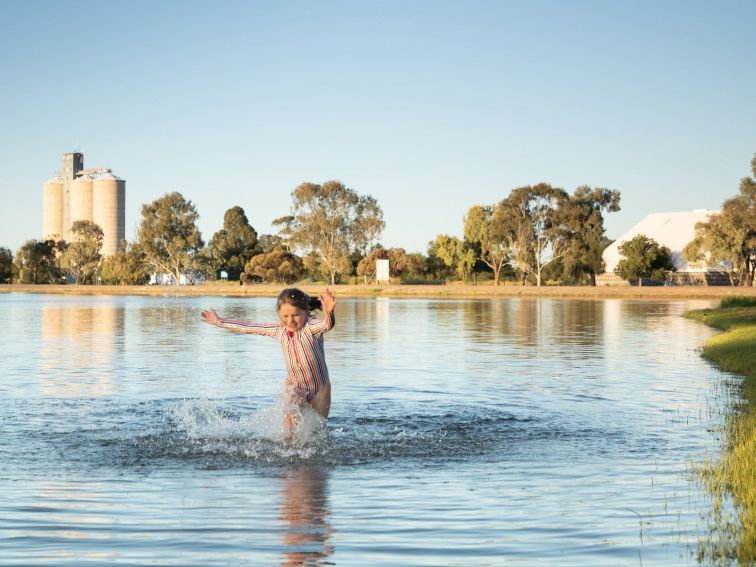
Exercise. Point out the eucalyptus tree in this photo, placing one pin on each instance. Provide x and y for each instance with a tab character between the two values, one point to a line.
6	265
128	266
484	227
168	234
581	220
36	261
417	264
531	225
328	223
268	242
455	255
729	237
82	257
715	244
518	234
643	257
233	245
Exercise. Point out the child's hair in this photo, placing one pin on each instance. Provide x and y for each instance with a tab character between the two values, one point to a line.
297	298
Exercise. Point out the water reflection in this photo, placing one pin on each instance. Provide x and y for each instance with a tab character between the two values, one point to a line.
164	324
78	346
306	514
534	324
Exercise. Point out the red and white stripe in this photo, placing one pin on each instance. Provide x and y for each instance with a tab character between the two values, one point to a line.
304	350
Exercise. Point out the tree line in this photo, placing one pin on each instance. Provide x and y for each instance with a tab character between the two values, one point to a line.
538	233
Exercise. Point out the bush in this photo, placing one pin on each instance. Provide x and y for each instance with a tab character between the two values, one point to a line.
421	281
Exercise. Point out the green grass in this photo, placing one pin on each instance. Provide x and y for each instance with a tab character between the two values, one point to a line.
737	302
725	318
735	473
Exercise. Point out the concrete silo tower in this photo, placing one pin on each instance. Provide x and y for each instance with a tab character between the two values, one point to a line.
84	194
108	206
73	163
81	199
52	208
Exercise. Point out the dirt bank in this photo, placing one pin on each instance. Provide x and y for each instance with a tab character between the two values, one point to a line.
400	291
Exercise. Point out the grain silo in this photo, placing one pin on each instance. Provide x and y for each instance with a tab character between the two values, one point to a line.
52	208
73	163
108	210
84	194
81	199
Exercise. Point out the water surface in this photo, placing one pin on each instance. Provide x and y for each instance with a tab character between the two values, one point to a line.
462	432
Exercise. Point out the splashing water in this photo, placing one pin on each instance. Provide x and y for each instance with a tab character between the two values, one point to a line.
210	427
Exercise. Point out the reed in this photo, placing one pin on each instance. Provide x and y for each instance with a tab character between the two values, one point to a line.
734	475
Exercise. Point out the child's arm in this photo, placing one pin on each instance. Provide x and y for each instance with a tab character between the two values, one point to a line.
328	302
265	329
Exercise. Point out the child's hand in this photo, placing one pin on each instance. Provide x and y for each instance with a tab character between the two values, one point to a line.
210	316
328	301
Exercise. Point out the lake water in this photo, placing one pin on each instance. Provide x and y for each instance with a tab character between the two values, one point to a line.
462	432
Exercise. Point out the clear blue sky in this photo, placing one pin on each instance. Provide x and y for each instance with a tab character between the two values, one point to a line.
431	107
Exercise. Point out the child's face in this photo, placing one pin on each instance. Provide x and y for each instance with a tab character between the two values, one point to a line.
292	316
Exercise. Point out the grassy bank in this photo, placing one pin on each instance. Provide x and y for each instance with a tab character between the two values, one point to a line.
372	290
735	473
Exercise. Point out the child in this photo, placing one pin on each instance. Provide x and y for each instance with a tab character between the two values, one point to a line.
301	339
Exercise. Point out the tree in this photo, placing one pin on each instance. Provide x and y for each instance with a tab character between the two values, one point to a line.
279	265
168	234
128	266
481	227
643	257
233	245
530	223
454	254
82	256
268	242
716	244
202	267
582	221
6	265
518	234
729	237
328	223
36	261
418	264
399	263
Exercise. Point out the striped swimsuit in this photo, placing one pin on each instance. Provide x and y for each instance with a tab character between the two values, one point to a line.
303	350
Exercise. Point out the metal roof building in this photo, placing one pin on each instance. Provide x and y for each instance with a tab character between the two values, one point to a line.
673	230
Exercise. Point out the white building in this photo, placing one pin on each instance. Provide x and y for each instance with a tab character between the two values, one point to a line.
673	230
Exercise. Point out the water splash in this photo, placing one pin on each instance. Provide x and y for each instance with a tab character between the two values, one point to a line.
240	432
208	426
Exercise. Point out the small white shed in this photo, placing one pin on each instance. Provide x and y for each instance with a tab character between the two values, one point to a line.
382	271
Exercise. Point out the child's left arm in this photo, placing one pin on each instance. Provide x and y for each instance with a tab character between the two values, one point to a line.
328	302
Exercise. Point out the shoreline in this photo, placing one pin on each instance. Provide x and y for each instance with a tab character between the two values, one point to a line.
732	535
451	291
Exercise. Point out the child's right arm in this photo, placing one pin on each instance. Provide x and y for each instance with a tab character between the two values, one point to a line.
265	329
